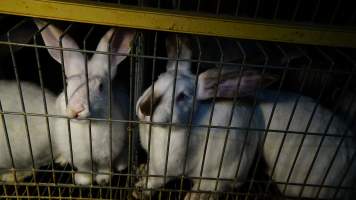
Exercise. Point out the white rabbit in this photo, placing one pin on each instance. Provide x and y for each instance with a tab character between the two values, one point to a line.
305	170
234	155
79	108
15	127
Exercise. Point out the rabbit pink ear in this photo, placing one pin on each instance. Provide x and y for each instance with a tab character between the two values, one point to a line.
117	41
143	106
178	47
147	103
52	37
231	83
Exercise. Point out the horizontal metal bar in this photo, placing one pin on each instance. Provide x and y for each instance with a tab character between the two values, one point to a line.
181	124
172	21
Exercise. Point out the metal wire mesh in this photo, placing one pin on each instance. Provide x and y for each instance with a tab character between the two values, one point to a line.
326	74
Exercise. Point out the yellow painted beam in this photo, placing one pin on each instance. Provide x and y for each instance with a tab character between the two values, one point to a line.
164	20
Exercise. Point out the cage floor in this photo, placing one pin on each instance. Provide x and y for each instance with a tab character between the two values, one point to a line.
57	183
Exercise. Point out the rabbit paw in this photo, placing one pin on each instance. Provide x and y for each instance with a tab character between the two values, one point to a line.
61	161
199	196
102	179
138	193
121	166
142	170
82	179
10	178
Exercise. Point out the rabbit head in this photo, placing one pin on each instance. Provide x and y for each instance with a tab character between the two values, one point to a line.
96	83
178	81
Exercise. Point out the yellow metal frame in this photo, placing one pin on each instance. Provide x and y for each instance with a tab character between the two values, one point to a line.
163	20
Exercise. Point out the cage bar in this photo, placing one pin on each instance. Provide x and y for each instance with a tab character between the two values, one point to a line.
182	22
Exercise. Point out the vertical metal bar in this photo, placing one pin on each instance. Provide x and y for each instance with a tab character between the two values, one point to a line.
137	86
178	4
26	192
244	57
305	75
89	106
22	106
159	4
190	122
45	107
23	109
276	10
332	64
316	11
347	170
171	110
254	107
13	170
151	105
198	5
229	121
288	124
130	136
237	7
268	125
296	9
3	121
140	3
345	134
64	78
130	117
217	12
259	153
335	12
258	5
210	121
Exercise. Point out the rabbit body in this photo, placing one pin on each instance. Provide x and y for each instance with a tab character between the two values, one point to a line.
97	144
93	146
233	155
236	155
16	129
331	164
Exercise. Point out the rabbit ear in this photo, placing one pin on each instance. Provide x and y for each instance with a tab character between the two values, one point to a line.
231	83
178	47
52	36
143	106
117	41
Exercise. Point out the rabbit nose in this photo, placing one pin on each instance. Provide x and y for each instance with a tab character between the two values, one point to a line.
74	111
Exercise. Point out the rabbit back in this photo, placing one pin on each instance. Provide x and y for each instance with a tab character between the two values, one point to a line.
241	144
230	155
324	153
16	128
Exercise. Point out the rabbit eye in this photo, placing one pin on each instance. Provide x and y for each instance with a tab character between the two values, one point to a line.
101	87
181	96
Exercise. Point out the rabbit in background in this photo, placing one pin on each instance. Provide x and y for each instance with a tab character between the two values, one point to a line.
184	88
324	158
79	109
15	127
314	164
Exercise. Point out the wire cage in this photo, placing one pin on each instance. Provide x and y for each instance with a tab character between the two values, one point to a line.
289	137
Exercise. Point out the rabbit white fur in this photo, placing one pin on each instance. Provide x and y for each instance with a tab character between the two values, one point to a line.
78	107
178	145
338	173
17	133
